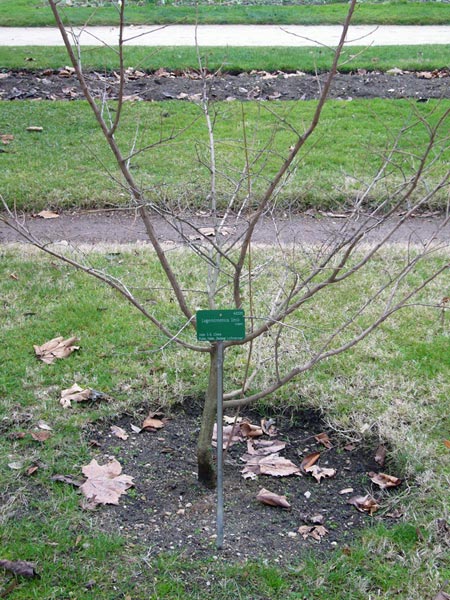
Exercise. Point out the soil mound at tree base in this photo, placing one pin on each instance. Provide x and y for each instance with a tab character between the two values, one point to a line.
169	511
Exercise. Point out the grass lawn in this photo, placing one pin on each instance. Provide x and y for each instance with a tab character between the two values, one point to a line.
15	13
396	382
47	169
235	60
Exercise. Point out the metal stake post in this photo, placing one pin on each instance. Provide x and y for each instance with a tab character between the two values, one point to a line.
219	445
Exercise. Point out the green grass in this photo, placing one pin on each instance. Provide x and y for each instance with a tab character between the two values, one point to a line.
235	60
14	13
47	169
397	381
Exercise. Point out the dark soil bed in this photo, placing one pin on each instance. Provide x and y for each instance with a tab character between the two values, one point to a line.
168	510
164	85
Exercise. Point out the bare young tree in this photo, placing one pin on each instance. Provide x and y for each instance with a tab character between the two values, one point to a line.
277	348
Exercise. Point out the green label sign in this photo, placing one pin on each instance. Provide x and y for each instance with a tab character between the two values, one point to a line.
220	325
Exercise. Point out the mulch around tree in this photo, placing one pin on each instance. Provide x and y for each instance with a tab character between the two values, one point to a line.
62	84
168	510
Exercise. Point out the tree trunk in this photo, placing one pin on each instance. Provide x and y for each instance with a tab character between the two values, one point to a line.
206	470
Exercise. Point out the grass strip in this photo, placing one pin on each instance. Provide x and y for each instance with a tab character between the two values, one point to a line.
21	13
234	59
67	163
396	380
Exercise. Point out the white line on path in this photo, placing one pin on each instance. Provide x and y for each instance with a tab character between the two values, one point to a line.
233	35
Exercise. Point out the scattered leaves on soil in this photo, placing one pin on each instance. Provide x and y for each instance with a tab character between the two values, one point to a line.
20	567
272	499
56	348
104	483
172	512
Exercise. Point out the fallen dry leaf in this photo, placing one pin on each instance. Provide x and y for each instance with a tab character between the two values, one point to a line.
272	499
56	348
447	443
364	503
231	435
249	430
6	138
380	455
320	473
277	466
323	438
44	425
104	483
442	596
47	214
309	461
383	480
268	427
273	465
152	424
262	448
40	436
15	465
229	420
348	490
317	532
74	394
119	432
20	567
31	470
349	447
67	479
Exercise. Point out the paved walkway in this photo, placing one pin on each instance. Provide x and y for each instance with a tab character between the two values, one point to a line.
234	35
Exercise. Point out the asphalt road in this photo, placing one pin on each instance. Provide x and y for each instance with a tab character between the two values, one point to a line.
233	35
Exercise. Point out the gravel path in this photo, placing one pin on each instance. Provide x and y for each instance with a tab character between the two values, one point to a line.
234	35
123	226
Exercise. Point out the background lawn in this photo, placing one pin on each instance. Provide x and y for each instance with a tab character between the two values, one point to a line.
15	13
